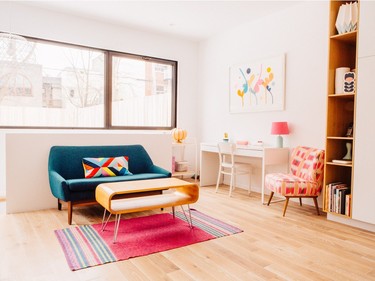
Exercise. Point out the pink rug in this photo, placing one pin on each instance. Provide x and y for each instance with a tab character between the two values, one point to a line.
86	246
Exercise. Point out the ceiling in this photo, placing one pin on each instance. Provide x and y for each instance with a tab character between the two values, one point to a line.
194	20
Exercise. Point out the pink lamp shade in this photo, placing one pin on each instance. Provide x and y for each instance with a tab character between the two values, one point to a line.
279	128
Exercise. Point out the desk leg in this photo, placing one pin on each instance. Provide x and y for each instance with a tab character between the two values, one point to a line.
209	168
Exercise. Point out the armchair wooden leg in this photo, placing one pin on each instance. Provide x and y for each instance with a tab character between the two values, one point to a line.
300	201
269	200
285	205
70	212
59	205
316	204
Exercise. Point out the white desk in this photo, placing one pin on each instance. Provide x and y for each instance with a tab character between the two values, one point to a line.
209	160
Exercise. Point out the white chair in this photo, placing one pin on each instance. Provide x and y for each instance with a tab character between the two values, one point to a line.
228	166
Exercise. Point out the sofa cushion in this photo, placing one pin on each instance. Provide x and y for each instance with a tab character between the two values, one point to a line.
291	185
86	184
105	167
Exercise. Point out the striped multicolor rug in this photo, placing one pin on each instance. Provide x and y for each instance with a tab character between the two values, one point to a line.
86	245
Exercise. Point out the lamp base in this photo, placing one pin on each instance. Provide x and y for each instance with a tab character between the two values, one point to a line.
279	141
348	155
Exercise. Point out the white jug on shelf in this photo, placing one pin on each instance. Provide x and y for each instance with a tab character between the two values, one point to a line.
339	79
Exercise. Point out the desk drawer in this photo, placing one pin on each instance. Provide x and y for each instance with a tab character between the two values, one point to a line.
249	153
209	148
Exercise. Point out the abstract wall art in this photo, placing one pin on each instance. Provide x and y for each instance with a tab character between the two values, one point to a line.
258	85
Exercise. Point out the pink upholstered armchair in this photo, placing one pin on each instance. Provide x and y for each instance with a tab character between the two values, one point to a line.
305	179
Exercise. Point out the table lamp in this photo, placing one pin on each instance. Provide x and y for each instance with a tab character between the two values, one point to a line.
279	128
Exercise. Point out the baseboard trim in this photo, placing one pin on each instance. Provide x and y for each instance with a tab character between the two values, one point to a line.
352	222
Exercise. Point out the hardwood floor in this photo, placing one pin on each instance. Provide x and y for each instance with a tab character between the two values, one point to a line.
300	246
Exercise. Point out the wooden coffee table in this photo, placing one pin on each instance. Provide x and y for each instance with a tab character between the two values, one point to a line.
173	192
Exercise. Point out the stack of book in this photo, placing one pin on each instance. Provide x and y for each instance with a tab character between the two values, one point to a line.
338	198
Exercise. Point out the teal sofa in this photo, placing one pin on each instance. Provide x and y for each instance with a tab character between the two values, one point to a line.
66	173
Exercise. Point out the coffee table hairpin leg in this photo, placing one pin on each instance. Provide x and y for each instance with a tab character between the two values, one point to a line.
189	221
104	224
118	217
117	223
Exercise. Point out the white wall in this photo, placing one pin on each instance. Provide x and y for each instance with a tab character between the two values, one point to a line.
301	32
27	159
34	22
2	165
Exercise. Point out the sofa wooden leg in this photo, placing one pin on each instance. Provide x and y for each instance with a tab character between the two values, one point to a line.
59	204
316	205
285	205
269	200
70	212
300	201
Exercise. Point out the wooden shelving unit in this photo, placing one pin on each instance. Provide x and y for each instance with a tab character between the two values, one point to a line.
340	114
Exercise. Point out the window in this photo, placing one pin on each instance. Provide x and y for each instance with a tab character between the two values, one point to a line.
55	85
142	92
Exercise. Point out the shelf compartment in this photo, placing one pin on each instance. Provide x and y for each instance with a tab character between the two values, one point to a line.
334	9
338	173
342	54
340	115
336	149
335	201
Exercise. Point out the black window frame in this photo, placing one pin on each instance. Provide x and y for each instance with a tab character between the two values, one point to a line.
174	65
107	116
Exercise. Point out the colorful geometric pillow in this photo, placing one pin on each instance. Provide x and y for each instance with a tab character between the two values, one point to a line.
106	167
